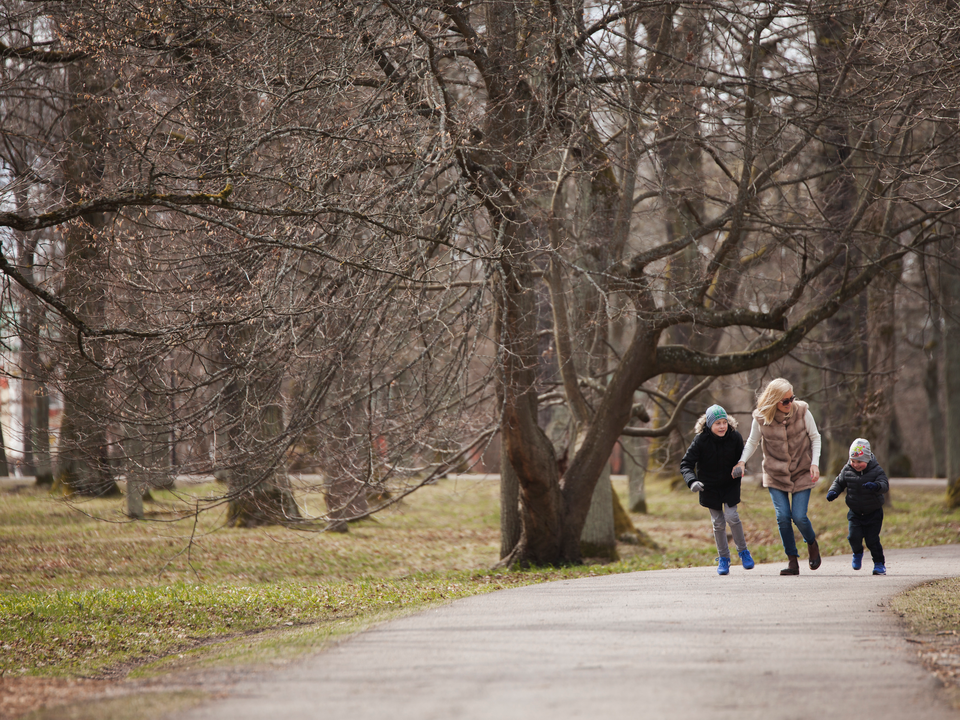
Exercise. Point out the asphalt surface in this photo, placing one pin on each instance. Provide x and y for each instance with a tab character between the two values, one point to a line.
679	644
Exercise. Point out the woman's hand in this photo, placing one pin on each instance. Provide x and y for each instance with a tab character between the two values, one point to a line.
738	469
814	473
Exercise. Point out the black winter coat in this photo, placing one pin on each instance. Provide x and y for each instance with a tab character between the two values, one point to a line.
859	499
710	459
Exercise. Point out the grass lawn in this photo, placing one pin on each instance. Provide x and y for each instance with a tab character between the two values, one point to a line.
85	592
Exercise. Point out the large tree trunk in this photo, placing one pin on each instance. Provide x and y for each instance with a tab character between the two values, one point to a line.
82	454
137	481
598	537
40	438
932	387
844	334
635	468
612	414
527	447
510	526
678	33
261	493
950	293
882	345
34	420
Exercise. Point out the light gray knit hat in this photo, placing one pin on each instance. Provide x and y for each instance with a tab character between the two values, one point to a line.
860	450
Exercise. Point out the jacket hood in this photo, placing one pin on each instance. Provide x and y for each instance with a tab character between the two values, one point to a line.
702	424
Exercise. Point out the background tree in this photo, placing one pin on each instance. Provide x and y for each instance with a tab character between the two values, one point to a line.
354	218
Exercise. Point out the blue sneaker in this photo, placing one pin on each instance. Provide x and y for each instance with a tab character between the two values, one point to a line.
724	567
879	569
857	560
746	559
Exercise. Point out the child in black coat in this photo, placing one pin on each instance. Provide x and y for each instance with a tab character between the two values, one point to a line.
708	468
865	483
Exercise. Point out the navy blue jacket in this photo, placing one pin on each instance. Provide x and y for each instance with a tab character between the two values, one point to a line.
859	499
710	459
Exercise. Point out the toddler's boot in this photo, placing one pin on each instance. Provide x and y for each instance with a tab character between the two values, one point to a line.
746	559
723	568
879	569
857	561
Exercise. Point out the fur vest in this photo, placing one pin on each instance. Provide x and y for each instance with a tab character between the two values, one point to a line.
787	450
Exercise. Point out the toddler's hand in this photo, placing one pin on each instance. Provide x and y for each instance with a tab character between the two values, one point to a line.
870	486
696	486
737	471
832	495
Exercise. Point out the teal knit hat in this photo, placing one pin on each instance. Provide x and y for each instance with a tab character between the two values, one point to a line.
714	413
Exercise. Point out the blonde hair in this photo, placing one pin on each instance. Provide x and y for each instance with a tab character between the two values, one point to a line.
772	394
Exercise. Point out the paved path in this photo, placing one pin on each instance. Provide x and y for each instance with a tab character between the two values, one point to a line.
671	644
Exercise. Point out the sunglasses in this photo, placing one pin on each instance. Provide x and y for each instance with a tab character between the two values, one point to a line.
788	400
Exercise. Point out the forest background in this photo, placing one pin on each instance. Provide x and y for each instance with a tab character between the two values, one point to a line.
343	250
376	242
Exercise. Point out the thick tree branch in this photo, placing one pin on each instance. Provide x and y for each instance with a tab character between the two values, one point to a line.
679	359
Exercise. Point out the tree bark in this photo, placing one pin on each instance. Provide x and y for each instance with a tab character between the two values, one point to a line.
82	453
933	390
950	292
598	537
40	437
677	33
510	527
882	346
262	495
635	468
844	334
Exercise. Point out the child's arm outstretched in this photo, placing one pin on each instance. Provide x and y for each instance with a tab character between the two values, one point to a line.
836	487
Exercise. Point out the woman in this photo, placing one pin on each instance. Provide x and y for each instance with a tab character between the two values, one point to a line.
784	429
707	468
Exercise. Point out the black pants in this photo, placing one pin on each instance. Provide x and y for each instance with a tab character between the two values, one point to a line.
865	528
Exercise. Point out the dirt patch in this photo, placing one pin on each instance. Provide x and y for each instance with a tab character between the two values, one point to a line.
22	695
95	699
940	654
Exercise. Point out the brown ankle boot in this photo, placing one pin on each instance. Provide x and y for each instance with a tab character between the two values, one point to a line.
793	566
814	549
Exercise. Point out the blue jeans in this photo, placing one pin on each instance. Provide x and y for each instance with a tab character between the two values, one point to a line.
797	514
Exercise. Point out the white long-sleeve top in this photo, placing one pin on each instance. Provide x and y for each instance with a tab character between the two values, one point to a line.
753	442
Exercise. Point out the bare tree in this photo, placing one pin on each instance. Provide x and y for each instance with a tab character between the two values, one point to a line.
328	233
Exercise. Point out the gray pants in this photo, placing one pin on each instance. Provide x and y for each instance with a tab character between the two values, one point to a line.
728	516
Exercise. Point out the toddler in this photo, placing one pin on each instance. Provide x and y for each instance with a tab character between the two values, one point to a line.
865	483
